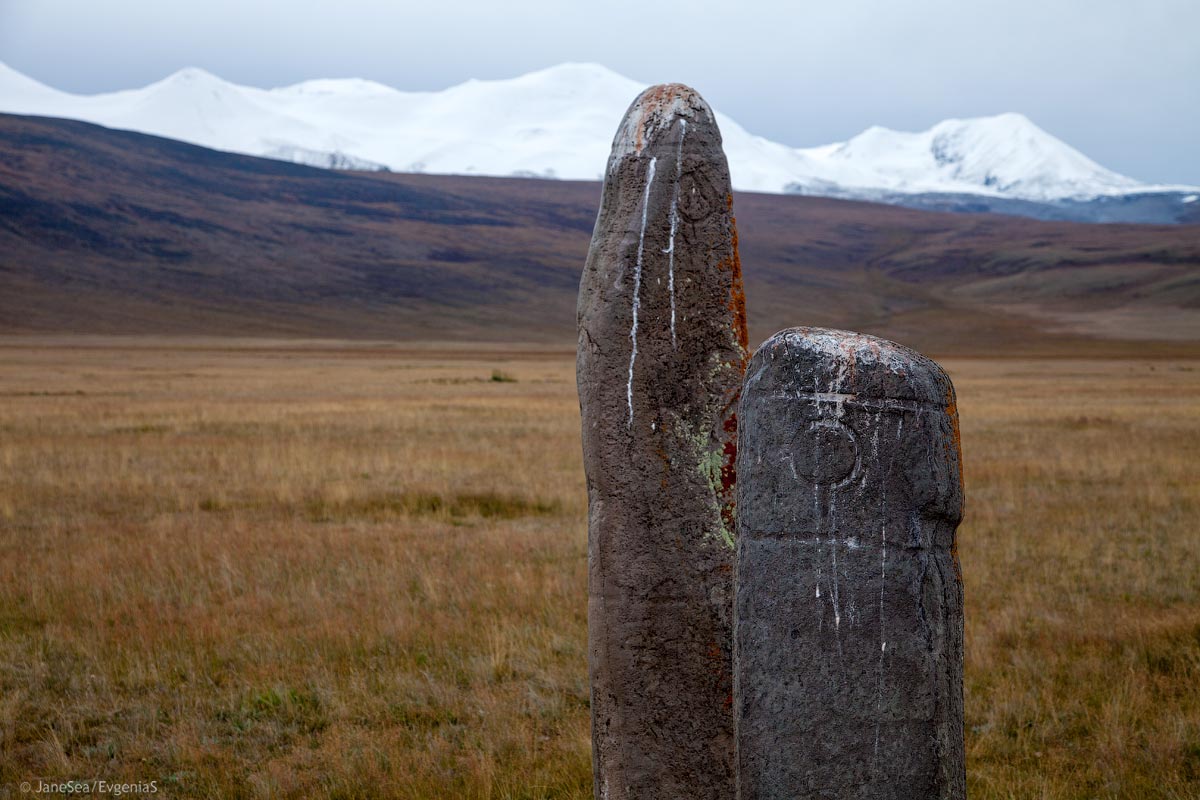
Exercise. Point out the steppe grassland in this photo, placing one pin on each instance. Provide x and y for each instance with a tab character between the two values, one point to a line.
250	569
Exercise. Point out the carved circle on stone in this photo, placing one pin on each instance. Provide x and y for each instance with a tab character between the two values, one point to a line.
697	198
824	453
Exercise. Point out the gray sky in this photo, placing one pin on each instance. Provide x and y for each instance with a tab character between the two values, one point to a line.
1118	79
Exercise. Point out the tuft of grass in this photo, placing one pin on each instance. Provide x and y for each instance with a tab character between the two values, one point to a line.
500	376
486	505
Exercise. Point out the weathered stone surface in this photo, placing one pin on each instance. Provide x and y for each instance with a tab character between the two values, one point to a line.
848	657
662	350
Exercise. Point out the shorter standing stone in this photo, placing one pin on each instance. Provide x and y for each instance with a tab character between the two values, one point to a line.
848	626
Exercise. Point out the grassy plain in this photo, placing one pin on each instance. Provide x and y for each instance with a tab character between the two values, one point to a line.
253	569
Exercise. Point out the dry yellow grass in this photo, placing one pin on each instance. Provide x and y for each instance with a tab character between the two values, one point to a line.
264	570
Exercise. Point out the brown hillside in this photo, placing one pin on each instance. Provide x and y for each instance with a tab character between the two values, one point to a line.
112	232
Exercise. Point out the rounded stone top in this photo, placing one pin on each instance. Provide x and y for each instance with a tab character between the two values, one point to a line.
827	361
655	112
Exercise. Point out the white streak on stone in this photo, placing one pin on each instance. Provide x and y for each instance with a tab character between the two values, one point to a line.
833	532
670	251
637	288
838	391
837	613
882	644
875	438
817	522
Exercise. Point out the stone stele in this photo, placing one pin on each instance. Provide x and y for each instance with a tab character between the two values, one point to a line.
849	611
662	351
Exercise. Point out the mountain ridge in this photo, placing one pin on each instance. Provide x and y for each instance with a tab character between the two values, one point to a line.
557	123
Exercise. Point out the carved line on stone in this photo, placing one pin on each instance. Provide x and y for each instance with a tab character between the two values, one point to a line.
839	410
865	403
882	648
637	287
803	537
670	251
814	538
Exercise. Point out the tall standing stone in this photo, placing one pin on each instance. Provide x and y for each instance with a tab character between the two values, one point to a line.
849	627
662	351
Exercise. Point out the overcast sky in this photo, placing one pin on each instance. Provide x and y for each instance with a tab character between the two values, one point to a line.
1118	79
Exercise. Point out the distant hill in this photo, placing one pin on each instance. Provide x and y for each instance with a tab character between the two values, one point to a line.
104	231
558	123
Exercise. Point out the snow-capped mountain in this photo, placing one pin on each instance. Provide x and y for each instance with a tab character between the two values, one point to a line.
1005	155
558	123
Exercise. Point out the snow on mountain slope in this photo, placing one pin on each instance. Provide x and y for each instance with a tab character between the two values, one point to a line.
558	123
1006	154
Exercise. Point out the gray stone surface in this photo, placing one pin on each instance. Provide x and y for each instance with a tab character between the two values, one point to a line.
848	655
662	350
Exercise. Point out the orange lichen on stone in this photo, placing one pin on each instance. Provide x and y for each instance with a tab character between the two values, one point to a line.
728	490
955	436
956	443
737	292
658	102
728	470
666	465
737	307
850	358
